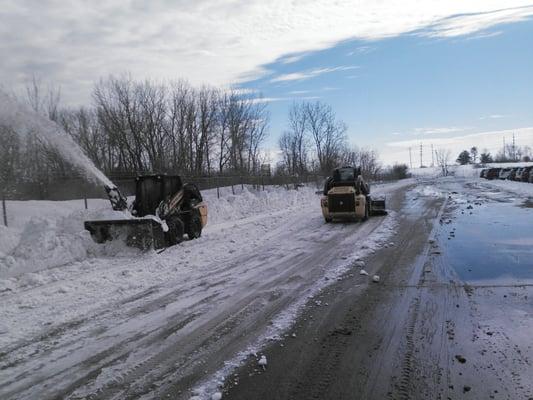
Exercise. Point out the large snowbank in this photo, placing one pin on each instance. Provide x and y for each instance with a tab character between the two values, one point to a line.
462	171
46	234
522	189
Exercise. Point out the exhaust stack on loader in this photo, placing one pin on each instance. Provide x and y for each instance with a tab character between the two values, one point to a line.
347	196
164	210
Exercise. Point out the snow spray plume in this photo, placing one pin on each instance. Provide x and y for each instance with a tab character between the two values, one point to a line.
24	121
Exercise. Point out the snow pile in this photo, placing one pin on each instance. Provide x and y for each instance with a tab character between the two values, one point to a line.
50	242
429	172
249	202
427	191
520	188
473	171
47	234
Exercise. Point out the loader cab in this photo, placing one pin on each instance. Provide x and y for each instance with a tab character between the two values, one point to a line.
151	190
345	176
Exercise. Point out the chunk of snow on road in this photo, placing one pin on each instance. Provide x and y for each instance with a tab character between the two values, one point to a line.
375	278
262	361
363	272
216	396
427	191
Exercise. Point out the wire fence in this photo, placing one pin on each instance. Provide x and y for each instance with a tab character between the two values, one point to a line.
77	188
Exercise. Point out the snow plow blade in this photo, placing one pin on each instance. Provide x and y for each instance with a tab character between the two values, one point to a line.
377	206
141	233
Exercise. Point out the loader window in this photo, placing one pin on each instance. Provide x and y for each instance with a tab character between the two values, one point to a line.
345	175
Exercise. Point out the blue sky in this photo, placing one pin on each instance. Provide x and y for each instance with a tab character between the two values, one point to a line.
415	88
450	73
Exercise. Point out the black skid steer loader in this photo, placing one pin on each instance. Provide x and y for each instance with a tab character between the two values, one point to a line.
164	211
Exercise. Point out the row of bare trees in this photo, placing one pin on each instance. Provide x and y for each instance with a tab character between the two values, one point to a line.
134	127
146	126
316	141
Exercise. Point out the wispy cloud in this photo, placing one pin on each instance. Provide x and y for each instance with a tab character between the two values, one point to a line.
491	140
212	41
302	75
484	35
288	98
292	59
493	116
297	92
469	23
442	130
361	50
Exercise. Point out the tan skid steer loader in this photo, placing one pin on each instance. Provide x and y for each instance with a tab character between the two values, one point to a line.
347	196
164	211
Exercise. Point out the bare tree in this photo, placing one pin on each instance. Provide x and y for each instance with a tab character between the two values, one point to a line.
443	159
328	134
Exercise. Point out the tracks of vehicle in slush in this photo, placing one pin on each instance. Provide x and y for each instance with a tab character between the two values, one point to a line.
49	343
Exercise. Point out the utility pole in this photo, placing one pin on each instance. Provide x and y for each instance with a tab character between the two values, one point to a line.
410	159
432	159
504	151
421	155
514	149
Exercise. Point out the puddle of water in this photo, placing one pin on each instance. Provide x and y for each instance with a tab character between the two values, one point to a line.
493	245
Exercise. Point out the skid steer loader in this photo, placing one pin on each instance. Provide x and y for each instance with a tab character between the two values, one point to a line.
347	196
164	211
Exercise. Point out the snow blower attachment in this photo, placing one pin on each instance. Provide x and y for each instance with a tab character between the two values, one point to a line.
347	196
164	211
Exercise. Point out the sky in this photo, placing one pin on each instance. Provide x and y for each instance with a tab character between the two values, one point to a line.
450	74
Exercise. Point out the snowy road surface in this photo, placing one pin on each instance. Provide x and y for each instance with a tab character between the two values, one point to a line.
123	324
451	317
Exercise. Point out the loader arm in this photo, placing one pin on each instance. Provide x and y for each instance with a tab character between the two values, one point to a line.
118	201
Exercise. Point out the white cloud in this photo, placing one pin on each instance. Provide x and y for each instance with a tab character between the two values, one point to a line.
215	42
492	141
470	23
494	116
297	92
438	131
302	75
361	50
272	99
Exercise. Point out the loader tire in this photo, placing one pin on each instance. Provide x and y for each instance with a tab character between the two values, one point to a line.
367	211
175	231
194	227
327	219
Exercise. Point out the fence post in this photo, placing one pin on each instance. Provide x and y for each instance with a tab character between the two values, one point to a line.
242	184
85	202
4	211
263	182
232	188
218	190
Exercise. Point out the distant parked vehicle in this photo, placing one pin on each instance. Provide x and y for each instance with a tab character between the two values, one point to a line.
512	174
526	173
483	173
504	173
493	173
530	179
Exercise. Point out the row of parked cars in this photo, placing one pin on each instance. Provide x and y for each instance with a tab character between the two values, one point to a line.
518	174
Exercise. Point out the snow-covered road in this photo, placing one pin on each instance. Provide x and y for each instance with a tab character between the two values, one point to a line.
123	324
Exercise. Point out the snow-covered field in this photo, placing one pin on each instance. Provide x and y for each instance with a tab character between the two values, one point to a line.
260	249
